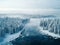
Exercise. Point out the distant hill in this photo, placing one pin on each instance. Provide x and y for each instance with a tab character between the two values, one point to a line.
28	15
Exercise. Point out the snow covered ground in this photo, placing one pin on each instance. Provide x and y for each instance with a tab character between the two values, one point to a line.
10	37
33	22
46	32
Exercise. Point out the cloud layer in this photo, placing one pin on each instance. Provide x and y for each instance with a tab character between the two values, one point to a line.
30	4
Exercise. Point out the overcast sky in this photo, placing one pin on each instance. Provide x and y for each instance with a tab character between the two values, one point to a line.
50	5
30	4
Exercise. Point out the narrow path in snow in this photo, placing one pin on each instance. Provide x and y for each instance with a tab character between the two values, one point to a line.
12	36
32	22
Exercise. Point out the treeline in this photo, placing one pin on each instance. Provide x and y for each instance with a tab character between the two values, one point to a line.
11	25
52	25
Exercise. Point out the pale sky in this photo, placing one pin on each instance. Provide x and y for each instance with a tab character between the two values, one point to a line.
30	5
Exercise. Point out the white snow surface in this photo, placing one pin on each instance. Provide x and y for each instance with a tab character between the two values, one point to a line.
46	32
32	22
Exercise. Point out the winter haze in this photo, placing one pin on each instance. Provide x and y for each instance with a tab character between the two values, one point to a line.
41	7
